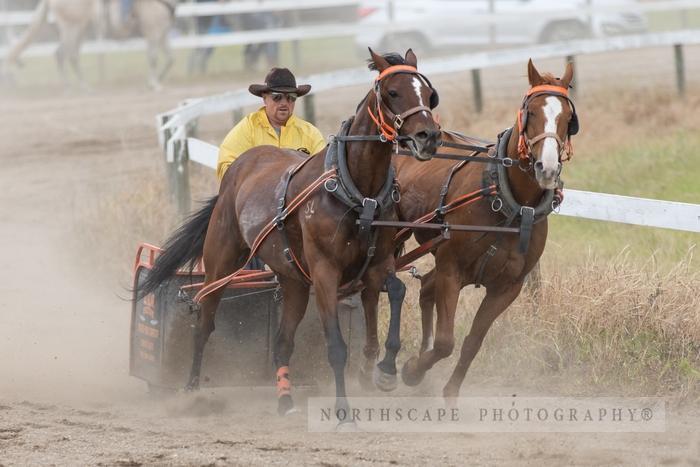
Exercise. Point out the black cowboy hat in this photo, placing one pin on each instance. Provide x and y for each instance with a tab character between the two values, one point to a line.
279	80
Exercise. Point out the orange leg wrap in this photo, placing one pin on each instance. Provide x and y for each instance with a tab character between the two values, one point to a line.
284	386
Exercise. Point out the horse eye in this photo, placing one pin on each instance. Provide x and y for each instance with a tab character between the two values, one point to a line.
393	93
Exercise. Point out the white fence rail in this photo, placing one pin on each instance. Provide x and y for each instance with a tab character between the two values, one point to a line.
328	30
227	102
582	204
173	126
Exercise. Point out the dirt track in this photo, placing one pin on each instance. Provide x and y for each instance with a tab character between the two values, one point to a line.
65	396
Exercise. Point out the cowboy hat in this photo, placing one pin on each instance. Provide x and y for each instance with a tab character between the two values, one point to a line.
279	80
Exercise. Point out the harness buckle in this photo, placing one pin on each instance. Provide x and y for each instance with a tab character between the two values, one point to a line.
446	231
331	185
527	208
371	250
364	202
507	162
396	196
288	255
496	204
492	251
280	203
398	122
382	138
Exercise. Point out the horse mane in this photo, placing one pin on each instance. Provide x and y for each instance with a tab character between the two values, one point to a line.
550	79
393	58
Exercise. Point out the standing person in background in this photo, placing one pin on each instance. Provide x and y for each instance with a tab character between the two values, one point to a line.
252	52
199	58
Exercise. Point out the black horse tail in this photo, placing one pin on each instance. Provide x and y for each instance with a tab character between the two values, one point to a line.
184	247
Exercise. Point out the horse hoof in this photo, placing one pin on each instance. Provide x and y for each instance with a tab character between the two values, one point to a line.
409	373
365	379
384	381
347	427
285	406
450	393
192	387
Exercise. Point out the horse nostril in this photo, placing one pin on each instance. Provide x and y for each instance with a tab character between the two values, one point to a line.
422	135
539	165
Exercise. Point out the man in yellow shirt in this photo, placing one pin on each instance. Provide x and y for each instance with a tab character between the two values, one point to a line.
274	123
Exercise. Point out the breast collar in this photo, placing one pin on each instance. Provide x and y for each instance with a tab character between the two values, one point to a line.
343	188
504	201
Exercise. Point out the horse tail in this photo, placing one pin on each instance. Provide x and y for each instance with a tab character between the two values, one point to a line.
39	19
184	247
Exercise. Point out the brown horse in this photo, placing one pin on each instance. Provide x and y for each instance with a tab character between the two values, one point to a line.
321	244
496	261
73	18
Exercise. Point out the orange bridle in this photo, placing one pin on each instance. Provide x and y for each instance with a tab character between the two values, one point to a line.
524	143
390	132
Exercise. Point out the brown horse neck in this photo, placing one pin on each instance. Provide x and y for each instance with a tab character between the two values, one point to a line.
525	189
368	161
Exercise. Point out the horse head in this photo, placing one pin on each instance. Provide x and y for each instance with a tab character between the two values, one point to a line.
546	121
401	104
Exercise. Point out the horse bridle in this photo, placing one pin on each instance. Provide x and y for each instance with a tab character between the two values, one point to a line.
525	144
388	132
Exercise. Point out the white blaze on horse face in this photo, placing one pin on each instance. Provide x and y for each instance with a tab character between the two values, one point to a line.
418	87
550	147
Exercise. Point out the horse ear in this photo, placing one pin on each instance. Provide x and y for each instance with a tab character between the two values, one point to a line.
379	61
411	59
568	75
533	75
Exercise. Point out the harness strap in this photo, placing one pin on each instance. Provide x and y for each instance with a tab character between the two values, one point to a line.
293	206
490	253
460	202
440	211
527	219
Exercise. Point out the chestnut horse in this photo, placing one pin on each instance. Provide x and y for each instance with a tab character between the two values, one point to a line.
496	261
321	244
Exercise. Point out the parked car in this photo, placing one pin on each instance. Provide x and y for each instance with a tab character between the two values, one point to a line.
399	24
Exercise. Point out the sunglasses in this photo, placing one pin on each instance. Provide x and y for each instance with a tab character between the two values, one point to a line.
278	96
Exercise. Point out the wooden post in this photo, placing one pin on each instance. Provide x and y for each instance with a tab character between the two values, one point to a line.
181	178
680	69
177	173
309	109
492	24
571	59
476	88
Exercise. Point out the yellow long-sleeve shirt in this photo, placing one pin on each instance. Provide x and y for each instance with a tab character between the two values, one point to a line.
256	130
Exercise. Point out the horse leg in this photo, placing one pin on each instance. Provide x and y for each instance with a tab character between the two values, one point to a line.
205	326
296	297
427	304
494	303
61	63
447	287
370	300
224	252
385	374
152	57
71	42
167	56
325	280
